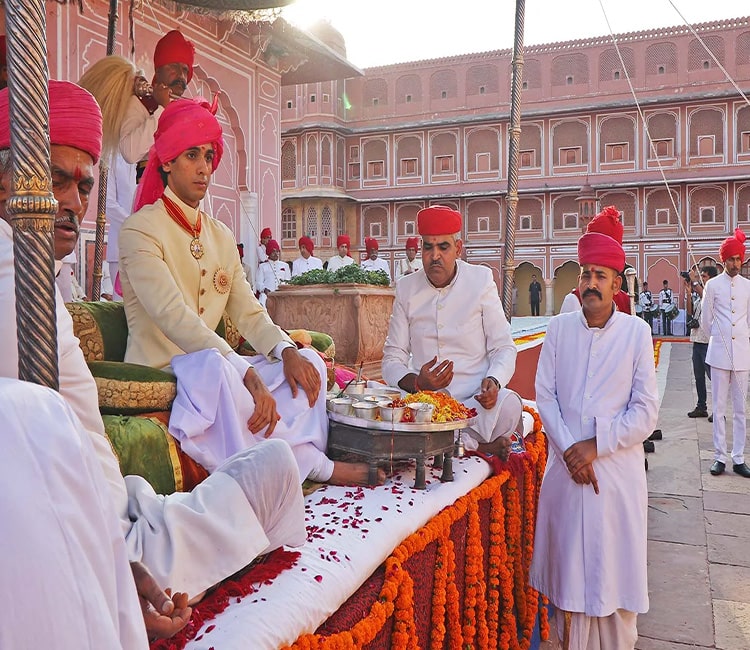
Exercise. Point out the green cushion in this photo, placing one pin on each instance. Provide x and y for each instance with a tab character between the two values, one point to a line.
129	388
323	343
142	447
102	329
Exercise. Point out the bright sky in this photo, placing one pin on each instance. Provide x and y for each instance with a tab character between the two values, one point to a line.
381	32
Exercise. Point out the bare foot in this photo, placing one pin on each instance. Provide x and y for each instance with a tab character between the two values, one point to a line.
500	447
353	474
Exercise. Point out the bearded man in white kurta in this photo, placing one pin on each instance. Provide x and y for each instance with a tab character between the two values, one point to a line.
448	331
189	541
726	315
180	273
373	261
590	547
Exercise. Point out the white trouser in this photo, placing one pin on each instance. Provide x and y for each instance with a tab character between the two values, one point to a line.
722	382
617	631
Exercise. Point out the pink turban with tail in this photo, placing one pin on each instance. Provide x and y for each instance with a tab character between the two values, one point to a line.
74	118
732	246
185	123
602	243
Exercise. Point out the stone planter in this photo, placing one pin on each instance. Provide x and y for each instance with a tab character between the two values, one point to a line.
355	315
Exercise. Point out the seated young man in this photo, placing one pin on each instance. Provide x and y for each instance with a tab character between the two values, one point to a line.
180	273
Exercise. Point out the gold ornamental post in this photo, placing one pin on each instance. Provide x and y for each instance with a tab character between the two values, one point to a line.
509	264
32	205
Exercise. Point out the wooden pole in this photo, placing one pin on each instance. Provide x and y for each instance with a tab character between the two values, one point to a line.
509	264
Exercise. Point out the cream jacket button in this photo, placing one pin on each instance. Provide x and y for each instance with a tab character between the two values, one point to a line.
201	310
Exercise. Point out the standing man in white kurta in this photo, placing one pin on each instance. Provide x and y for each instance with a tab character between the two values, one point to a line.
373	261
590	548
272	272
448	331
306	260
342	259
726	315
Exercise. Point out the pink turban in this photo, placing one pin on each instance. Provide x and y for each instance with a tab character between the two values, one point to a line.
74	118
413	242
438	220
173	47
272	246
732	246
307	243
602	243
343	240
266	232
185	123
371	243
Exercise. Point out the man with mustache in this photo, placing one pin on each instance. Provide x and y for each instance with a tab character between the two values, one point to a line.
249	505
374	262
596	393
448	332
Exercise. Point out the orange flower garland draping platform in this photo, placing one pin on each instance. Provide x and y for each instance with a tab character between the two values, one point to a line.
473	590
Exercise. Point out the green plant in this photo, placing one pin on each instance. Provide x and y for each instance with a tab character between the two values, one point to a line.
351	274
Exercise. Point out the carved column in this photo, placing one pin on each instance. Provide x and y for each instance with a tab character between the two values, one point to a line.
32	206
549	297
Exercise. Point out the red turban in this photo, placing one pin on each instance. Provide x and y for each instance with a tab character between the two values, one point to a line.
272	246
185	123
343	240
173	47
732	246
266	232
438	220
74	118
602	243
413	242
371	243
307	243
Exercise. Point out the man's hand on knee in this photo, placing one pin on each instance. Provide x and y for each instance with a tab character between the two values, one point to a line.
301	372
265	413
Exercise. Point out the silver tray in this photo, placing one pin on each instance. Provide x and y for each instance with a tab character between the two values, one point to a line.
400	427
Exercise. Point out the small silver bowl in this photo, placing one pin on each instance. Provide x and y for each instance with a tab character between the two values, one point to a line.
421	412
342	405
355	388
391	413
365	410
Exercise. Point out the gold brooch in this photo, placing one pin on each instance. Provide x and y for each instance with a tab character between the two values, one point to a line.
222	281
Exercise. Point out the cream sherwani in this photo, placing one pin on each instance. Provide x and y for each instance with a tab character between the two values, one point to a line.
337	262
590	550
378	264
302	265
189	541
463	322
725	315
270	275
66	577
173	304
405	267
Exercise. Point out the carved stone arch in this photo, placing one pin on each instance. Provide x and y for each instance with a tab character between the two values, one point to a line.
566	279
575	138
522	277
226	107
706	120
701	196
615	129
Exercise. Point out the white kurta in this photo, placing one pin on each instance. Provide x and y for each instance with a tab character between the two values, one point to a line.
337	262
302	265
570	303
590	550
463	322
378	264
725	316
177	535
120	194
137	130
405	267
270	275
63	552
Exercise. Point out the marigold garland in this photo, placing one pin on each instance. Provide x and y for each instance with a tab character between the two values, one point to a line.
496	608
657	352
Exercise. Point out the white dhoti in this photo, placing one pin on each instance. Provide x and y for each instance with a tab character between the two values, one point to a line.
734	381
499	421
212	407
66	577
617	631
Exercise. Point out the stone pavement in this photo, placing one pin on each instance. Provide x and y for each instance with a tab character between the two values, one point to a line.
699	530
